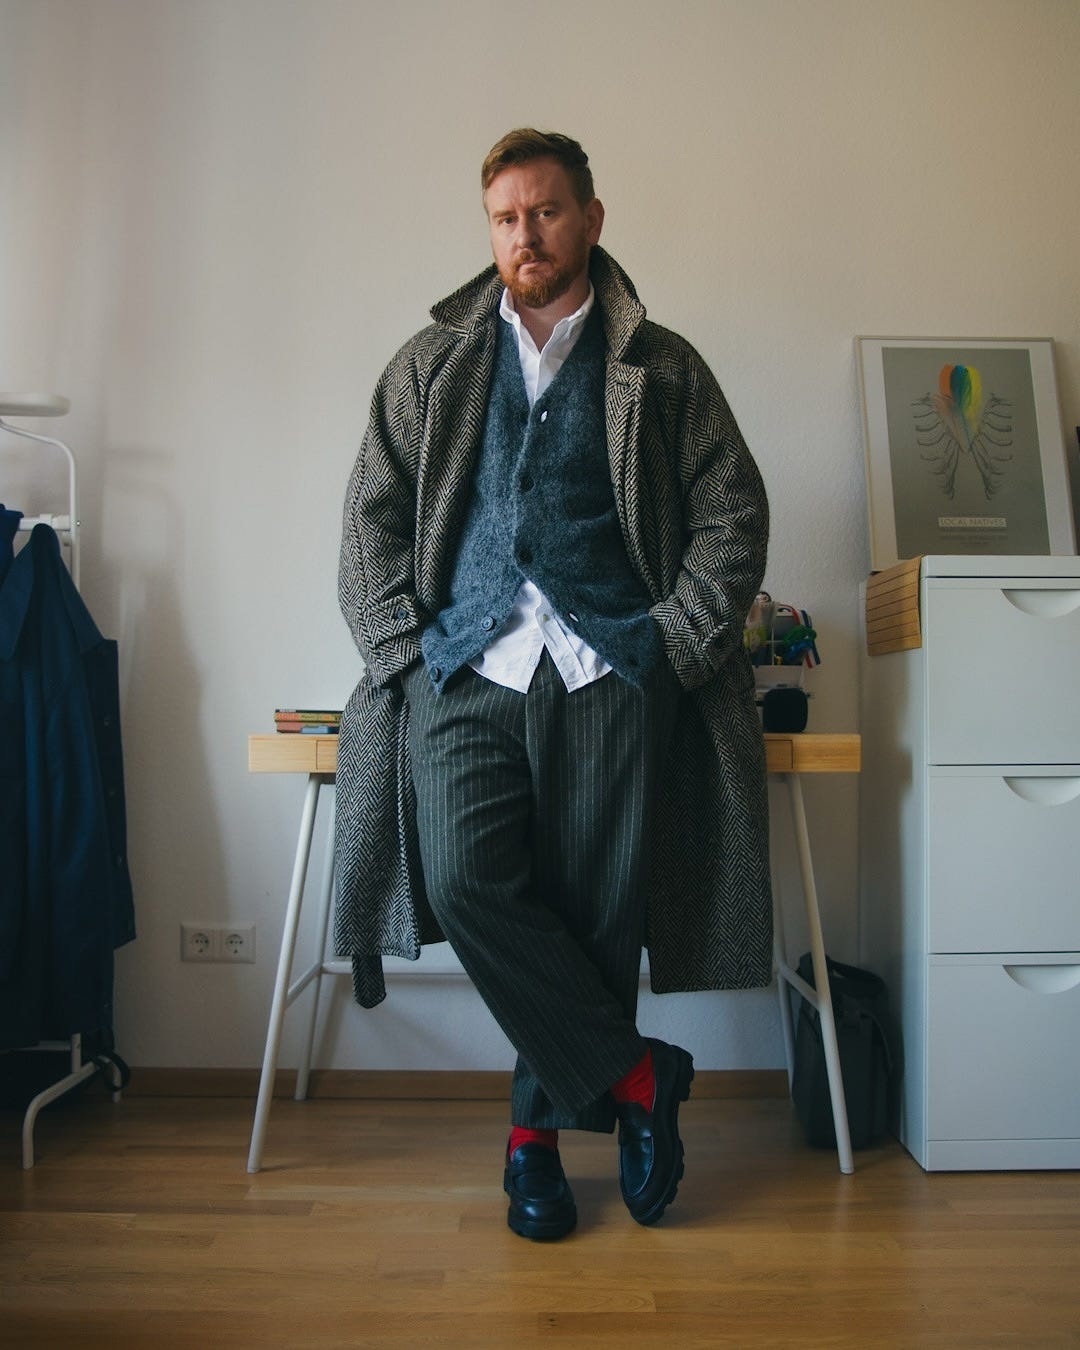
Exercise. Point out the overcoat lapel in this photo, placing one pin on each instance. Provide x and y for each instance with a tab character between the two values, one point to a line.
624	397
452	430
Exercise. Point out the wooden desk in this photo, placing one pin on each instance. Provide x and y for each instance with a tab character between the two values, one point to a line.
787	757
803	753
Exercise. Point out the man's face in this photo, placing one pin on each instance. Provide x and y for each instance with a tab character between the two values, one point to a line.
540	233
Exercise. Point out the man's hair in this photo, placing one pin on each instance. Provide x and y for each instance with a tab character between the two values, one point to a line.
525	144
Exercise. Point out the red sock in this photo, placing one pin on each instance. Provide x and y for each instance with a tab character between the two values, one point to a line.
519	1135
638	1085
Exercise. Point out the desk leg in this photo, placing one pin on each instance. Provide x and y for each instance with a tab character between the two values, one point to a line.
326	892
780	967
284	972
821	976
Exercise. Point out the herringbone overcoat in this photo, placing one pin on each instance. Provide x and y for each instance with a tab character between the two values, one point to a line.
694	518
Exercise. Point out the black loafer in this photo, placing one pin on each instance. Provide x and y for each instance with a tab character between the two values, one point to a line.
650	1150
541	1202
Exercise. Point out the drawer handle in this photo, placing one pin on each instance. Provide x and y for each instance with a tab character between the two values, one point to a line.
1045	791
1043	604
1044	979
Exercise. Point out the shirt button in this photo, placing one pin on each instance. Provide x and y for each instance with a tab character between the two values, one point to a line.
487	622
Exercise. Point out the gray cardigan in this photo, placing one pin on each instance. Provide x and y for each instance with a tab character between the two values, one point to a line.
694	518
565	519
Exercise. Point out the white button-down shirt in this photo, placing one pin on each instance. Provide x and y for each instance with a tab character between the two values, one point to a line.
514	653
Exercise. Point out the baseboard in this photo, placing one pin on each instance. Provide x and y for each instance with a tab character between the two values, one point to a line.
410	1084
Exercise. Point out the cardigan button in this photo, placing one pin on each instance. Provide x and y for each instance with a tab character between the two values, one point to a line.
487	622
527	482
543	415
525	555
436	674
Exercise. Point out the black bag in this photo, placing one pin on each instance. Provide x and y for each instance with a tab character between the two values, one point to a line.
860	1010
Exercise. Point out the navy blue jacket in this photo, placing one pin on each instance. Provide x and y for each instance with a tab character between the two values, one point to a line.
65	892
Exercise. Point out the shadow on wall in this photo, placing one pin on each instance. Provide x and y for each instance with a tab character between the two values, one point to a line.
174	831
432	1018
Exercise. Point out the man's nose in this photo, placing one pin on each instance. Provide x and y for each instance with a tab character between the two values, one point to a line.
526	235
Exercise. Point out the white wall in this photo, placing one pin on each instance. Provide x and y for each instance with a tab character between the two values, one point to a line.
218	218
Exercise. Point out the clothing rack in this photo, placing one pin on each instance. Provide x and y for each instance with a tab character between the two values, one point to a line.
67	527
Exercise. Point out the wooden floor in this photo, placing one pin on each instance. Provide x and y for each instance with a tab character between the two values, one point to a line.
382	1224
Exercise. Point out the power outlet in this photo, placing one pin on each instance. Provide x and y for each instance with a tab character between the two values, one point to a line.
233	943
238	942
196	942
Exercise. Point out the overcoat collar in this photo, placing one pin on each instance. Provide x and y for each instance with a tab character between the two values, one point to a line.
473	305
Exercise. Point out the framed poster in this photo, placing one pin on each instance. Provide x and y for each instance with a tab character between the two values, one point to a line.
964	451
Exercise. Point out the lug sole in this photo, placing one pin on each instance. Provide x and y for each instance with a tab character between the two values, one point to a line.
655	1212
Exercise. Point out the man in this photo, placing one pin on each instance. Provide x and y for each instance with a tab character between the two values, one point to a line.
552	536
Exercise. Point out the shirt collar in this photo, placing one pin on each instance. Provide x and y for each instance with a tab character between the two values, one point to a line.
9	526
15	592
562	329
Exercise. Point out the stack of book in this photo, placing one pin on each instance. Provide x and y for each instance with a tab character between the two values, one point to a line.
310	721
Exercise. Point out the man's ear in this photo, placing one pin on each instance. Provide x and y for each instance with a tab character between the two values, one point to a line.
594	220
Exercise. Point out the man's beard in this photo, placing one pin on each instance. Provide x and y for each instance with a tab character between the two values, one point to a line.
543	291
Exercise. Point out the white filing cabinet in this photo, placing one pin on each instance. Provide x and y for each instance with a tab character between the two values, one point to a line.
970	861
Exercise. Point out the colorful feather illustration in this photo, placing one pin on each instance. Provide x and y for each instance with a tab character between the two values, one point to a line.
959	402
957	421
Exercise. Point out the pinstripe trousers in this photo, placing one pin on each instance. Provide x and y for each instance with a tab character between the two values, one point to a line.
533	811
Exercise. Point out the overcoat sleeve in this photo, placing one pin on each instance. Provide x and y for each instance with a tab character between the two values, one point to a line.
725	528
376	579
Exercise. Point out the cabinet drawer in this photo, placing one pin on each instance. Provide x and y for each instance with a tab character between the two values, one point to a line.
1002	859
1002	1060
1001	663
